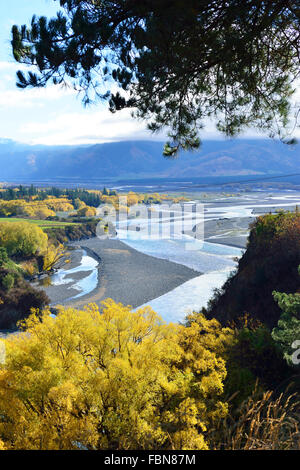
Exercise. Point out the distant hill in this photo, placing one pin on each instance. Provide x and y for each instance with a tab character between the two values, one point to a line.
142	159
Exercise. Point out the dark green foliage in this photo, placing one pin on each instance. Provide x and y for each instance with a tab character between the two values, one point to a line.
17	298
8	281
270	263
254	356
109	192
91	199
18	302
179	61
287	333
3	256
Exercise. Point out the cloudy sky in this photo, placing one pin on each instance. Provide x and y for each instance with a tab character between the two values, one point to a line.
54	115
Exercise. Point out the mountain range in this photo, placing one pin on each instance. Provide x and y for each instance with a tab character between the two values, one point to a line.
142	159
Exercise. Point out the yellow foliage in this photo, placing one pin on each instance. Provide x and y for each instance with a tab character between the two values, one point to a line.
87	211
22	238
111	380
34	208
29	267
132	199
52	255
78	204
42	212
58	204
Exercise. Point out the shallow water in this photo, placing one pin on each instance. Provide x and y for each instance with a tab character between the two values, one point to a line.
85	285
190	296
215	261
201	256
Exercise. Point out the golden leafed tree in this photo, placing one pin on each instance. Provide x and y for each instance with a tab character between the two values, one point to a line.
111	380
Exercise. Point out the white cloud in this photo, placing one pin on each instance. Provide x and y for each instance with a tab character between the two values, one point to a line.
9	66
87	127
32	97
13	97
91	127
50	120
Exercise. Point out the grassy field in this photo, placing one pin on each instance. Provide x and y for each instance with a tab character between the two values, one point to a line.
40	223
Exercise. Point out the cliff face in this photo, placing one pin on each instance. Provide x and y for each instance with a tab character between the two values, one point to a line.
270	263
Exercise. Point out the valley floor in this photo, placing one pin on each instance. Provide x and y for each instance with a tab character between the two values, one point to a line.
124	274
164	275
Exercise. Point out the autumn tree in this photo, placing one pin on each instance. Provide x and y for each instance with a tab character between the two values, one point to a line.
115	380
52	255
22	238
86	211
35	209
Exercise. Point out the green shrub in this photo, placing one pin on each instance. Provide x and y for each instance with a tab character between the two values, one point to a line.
287	333
3	256
254	356
8	281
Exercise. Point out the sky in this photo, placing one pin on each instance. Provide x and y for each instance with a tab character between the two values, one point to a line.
54	115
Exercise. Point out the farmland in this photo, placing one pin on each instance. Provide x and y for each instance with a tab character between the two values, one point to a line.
40	223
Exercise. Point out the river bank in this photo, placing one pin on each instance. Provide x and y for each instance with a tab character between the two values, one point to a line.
124	274
139	271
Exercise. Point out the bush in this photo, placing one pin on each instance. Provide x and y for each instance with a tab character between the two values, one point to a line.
30	267
3	256
86	212
115	380
22	239
72	232
18	300
254	357
287	332
8	281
